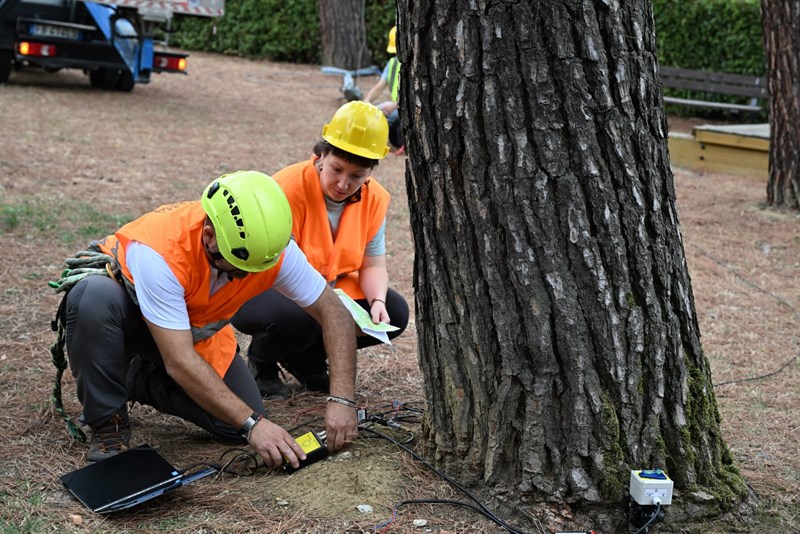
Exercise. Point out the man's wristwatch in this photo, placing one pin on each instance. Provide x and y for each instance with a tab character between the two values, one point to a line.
249	424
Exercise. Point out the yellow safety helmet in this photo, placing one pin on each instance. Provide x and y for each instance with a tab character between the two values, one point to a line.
251	217
391	48
359	128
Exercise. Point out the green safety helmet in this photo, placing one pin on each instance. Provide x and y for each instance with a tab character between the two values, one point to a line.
251	217
359	128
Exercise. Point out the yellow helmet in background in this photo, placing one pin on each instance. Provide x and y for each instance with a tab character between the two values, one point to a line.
391	48
251	217
359	128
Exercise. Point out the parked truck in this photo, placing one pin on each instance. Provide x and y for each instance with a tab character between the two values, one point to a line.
117	43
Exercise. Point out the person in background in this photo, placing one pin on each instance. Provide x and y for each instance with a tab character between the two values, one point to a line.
339	222
155	329
390	78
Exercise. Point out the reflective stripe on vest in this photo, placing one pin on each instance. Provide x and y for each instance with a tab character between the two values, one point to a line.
394	77
199	333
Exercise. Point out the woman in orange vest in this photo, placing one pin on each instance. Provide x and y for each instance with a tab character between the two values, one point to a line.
338	221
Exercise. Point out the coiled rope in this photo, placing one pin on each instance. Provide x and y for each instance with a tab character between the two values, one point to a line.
83	264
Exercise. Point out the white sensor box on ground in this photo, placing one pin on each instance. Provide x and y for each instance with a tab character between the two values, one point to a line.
649	484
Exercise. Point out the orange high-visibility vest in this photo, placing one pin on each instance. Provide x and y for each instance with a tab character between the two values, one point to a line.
175	232
340	260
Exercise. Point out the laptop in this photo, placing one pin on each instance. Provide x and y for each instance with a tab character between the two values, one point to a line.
127	480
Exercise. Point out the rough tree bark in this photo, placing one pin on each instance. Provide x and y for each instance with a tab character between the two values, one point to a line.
555	315
781	22
344	36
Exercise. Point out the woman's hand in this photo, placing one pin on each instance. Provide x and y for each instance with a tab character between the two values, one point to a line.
378	312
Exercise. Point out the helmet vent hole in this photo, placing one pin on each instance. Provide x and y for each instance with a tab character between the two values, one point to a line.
212	190
241	253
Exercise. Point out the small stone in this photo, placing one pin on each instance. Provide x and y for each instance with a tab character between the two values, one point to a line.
420	522
343	456
364	508
282	502
76	519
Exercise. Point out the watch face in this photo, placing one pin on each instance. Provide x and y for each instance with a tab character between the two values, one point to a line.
248	425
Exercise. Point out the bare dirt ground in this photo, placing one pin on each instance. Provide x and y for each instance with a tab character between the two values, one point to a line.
76	162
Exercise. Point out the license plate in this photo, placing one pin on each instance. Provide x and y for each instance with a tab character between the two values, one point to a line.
49	30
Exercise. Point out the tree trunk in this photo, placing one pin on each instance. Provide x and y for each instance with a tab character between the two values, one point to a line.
344	36
555	315
781	21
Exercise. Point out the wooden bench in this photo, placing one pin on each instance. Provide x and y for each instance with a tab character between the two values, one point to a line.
715	83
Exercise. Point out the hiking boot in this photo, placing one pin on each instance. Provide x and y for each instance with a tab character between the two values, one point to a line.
110	438
318	382
310	368
268	380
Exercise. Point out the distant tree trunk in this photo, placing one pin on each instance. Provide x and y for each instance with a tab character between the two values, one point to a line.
557	330
344	35
781	21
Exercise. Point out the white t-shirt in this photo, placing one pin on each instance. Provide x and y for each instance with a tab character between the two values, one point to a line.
161	296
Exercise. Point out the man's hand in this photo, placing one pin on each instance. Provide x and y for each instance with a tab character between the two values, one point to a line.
341	423
341	426
274	444
207	389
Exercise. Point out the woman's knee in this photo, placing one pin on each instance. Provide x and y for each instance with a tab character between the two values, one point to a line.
397	308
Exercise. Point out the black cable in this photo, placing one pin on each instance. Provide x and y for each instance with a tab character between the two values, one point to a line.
425	501
199	464
480	506
247	459
380	418
394	407
242	456
760	377
439	501
409	435
760	289
650	521
307	423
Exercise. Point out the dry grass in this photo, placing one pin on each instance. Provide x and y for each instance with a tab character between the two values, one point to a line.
75	162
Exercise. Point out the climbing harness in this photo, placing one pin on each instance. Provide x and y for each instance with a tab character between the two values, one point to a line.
85	263
93	262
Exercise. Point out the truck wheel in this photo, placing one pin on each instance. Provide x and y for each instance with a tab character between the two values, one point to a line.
104	78
125	82
5	65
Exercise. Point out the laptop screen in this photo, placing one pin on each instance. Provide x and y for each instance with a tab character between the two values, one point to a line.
119	482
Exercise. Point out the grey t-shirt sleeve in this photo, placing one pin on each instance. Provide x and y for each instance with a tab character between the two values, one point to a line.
377	245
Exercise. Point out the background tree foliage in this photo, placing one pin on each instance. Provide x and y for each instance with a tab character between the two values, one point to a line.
712	35
278	30
716	35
